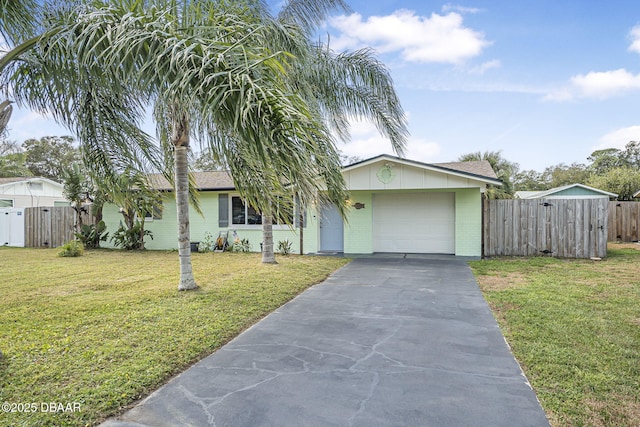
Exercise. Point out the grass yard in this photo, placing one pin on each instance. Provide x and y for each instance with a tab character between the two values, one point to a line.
98	332
574	326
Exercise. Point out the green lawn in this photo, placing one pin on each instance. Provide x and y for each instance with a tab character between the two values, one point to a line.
98	332
574	326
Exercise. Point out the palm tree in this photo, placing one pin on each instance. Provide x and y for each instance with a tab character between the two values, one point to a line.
208	70
504	169
338	86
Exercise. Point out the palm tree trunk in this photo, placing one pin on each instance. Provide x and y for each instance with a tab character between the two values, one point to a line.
268	256
181	141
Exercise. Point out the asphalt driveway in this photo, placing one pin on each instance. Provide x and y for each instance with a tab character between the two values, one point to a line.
388	340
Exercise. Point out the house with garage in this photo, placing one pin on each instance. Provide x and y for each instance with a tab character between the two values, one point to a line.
571	191
396	205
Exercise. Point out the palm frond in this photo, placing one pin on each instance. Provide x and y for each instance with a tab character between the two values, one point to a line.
309	15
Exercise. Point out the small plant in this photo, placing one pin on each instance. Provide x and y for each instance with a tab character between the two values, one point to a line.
284	247
92	234
208	244
72	248
242	245
130	238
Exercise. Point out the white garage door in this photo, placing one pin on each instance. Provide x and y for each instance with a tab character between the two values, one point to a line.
414	222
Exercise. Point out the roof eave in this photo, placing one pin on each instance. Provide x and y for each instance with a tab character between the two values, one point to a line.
485	179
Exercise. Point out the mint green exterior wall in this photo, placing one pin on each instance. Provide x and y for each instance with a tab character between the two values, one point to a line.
165	230
468	222
358	229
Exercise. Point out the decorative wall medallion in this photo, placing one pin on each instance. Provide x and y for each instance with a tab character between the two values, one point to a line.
386	174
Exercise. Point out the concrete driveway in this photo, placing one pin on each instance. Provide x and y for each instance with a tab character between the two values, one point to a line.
388	340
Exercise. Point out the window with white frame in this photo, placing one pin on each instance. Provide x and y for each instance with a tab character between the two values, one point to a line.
6	203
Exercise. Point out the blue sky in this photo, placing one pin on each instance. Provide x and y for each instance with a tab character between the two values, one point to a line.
545	82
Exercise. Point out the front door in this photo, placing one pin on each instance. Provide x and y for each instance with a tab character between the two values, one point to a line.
331	230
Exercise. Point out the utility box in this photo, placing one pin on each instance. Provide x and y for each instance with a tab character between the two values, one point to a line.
12	227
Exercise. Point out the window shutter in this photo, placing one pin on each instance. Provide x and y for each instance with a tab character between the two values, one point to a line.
223	210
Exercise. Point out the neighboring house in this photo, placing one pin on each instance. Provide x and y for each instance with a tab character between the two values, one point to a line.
573	191
30	192
396	205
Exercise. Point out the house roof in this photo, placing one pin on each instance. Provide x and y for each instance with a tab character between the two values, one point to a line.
222	180
553	191
480	170
13	180
214	180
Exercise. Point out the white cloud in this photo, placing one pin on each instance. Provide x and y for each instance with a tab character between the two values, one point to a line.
607	83
634	35
482	68
597	84
462	9
26	124
438	38
619	138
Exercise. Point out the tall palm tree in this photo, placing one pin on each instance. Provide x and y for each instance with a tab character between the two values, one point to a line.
208	70
338	86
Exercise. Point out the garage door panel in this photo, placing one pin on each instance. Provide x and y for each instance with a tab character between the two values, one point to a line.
414	222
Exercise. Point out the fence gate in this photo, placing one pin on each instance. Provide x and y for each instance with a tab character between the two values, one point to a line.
624	221
12	227
565	228
48	227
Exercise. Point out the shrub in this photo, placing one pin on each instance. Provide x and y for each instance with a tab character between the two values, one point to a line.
284	247
72	248
208	244
91	235
242	245
130	238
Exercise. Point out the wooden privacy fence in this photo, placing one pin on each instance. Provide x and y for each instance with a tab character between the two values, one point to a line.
624	221
50	227
565	228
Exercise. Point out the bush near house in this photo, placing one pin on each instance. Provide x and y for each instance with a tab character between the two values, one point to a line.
106	329
574	326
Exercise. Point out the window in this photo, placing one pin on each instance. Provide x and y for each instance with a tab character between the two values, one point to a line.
243	215
246	215
6	203
35	186
156	213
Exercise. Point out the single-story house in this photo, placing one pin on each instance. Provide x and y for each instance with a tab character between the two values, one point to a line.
396	205
572	191
26	192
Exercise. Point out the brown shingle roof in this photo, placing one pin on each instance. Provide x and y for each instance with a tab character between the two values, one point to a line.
221	180
478	167
216	180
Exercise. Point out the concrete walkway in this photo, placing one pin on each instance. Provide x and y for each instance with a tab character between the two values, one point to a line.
385	341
